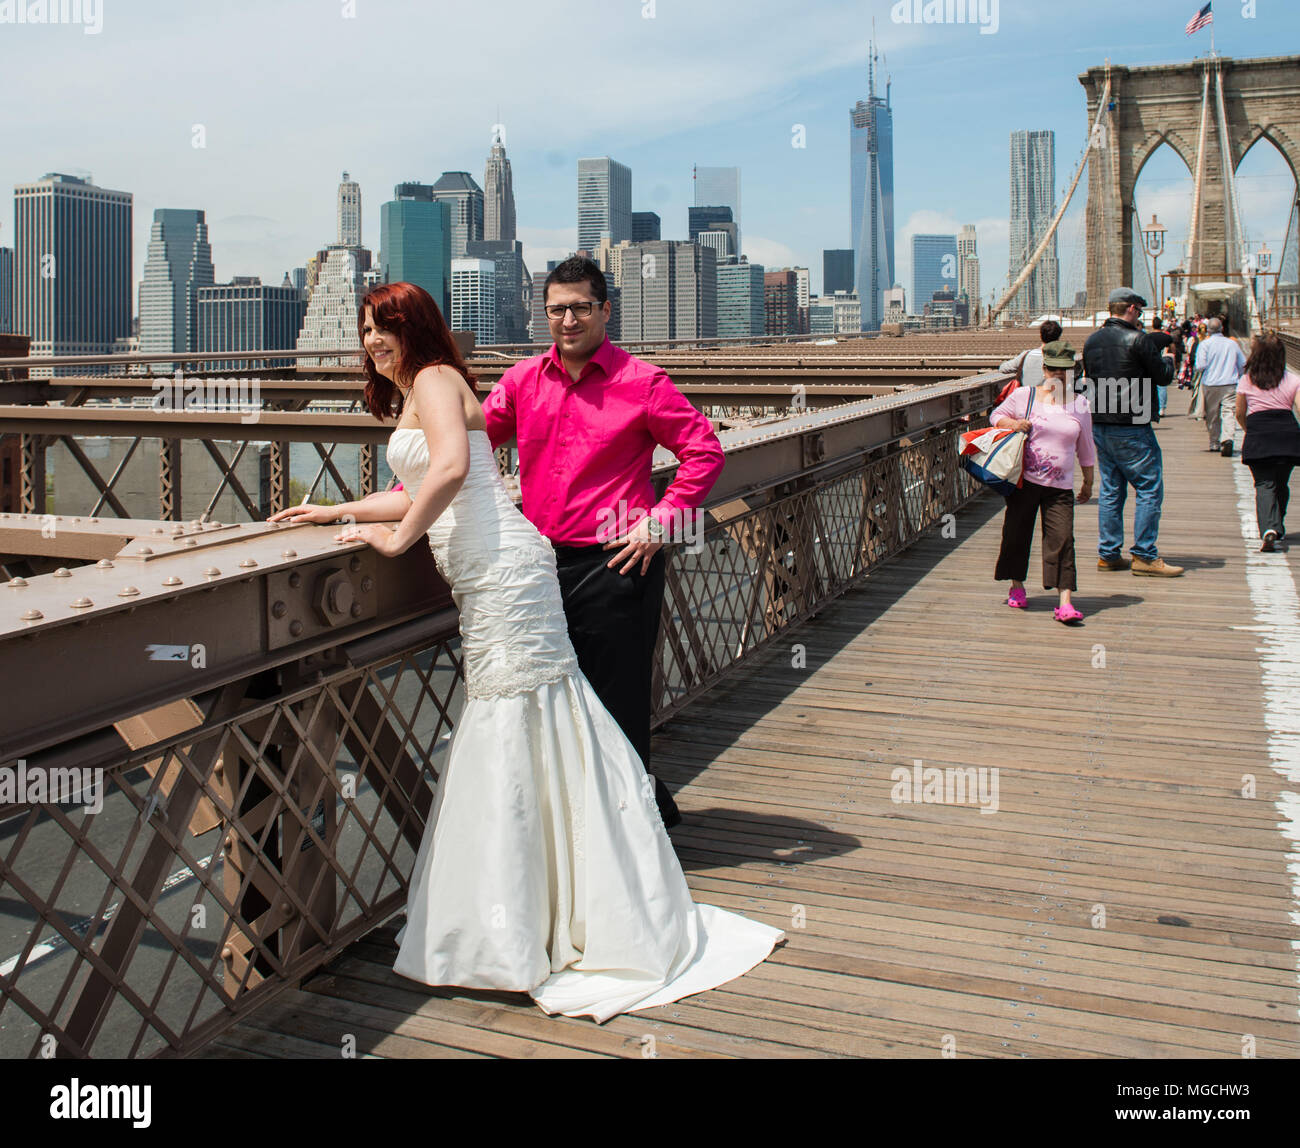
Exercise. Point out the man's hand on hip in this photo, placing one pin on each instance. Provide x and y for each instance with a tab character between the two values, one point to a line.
636	546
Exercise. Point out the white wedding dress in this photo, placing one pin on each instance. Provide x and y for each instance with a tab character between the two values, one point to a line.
545	867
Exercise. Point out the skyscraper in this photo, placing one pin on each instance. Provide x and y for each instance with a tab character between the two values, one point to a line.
349	211
512	286
415	241
474	298
330	323
645	226
741	313
871	155
179	262
498	196
464	198
934	268
1033	192
245	315
604	201
670	291
781	303
968	266
72	265
6	288
719	187
837	271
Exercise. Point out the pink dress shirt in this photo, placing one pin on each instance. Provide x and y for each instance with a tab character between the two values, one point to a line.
586	445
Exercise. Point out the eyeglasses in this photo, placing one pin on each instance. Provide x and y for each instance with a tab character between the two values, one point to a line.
580	310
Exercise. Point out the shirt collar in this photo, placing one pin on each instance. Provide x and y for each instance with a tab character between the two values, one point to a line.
603	358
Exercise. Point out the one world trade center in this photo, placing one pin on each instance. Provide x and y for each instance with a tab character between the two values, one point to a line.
871	149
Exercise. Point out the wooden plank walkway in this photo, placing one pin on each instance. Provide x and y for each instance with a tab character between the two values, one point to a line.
1125	900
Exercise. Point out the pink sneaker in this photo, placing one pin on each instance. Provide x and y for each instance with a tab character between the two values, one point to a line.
1067	614
1017	600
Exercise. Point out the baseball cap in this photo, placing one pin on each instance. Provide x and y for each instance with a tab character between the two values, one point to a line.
1126	295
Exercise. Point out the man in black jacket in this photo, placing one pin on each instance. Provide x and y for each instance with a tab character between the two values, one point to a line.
1123	368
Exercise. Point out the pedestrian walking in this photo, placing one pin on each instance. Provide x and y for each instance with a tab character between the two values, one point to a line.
1268	404
1220	361
1058	426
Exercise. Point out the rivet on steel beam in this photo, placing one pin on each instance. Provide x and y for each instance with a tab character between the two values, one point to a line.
156	530
356	609
103	564
295	627
76	520
94	520
227	952
354	564
172	580
63	572
128	592
248	562
278	610
177	528
367	584
288	553
295	580
81	604
32	615
190	542
195	522
144	550
214	523
211	572
17	583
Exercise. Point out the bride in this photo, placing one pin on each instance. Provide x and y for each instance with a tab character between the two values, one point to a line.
544	867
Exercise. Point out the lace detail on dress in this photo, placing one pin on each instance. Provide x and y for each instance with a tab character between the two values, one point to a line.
503	679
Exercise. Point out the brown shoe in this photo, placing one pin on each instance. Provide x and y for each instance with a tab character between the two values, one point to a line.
1157	569
1112	564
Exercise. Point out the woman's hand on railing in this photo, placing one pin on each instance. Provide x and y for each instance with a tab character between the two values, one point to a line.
310	513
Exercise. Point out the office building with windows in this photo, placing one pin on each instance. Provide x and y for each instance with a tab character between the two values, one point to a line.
464	199
780	303
415	242
645	226
178	264
934	267
246	315
604	201
514	288
330	322
474	298
719	187
741	312
349	212
837	271
72	266
669	291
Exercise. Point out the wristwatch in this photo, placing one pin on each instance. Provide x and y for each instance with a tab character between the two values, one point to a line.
654	528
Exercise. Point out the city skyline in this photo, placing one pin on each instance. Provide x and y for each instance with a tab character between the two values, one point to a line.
266	215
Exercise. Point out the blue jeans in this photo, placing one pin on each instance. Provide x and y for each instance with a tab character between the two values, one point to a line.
1128	455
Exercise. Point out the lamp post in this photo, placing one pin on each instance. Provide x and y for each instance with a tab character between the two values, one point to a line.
1153	238
1263	261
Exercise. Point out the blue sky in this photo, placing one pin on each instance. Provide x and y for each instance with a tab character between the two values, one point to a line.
289	93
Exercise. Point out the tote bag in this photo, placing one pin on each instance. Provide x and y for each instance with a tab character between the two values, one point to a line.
996	457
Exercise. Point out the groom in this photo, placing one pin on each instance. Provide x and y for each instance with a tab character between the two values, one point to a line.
587	417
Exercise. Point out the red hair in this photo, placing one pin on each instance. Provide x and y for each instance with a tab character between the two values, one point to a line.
409	313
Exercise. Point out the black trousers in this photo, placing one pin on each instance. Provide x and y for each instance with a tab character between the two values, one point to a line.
1058	536
614	624
1272	492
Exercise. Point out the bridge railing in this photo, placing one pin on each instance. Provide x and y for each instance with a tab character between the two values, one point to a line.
218	779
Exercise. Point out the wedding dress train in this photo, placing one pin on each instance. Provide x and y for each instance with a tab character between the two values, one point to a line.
544	866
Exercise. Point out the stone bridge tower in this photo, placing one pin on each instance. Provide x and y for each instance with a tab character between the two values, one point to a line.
1163	104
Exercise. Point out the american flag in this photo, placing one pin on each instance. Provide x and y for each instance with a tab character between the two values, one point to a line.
1200	20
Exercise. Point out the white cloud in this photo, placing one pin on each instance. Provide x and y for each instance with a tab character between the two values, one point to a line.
542	244
769	252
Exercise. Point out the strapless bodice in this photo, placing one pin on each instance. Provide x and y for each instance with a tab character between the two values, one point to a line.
501	572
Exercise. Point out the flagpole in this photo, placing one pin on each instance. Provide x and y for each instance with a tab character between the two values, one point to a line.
1213	53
